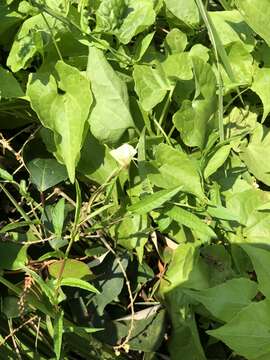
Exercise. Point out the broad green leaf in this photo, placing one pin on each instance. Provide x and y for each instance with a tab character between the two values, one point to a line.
62	101
58	334
246	203
9	86
110	116
125	18
260	259
151	84
73	268
148	331
170	174
178	67
12	256
224	301
110	282
241	62
29	41
193	117
46	173
259	144
78	283
153	201
260	87
10	19
185	270
97	168
142	44
231	28
175	41
256	14
132	233
217	160
240	334
191	221
10	307
184	10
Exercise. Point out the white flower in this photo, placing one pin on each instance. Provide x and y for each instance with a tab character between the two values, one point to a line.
124	154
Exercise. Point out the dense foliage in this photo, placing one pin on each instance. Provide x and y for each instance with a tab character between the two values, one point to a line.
135	179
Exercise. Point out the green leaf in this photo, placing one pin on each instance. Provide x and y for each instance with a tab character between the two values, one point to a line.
58	217
231	28
148	331
191	221
98	167
10	307
62	101
260	259
185	270
9	21
217	160
9	86
193	117
224	301
45	173
184	10
5	175
125	18
256	14
110	116
58	334
78	283
151	84
29	41
241	335
259	144
170	174
153	201
132	233
73	268
12	256
241	62
110	282
178	67
259	86
175	41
